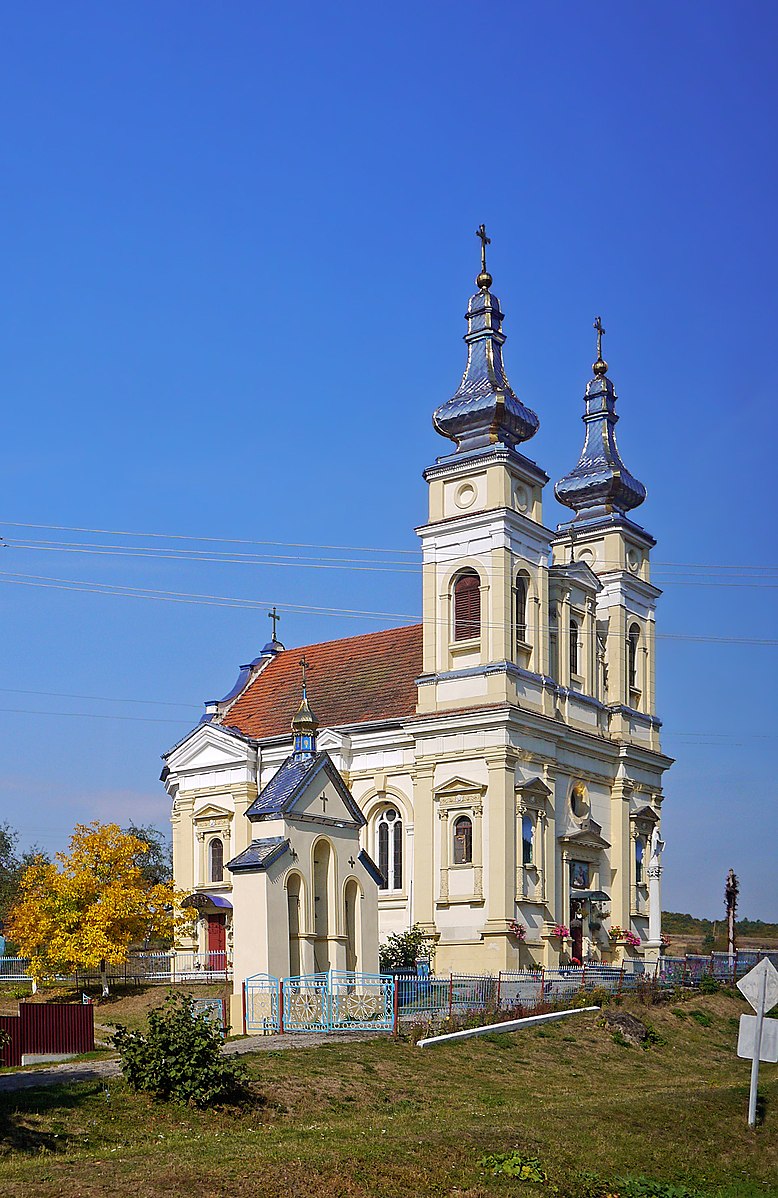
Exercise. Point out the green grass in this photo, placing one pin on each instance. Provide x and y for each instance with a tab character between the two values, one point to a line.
385	1119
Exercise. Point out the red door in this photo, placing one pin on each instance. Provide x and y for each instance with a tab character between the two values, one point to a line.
217	942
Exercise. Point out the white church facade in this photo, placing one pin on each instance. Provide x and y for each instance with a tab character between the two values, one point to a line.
503	755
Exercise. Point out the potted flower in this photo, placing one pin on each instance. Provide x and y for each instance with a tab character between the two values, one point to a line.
518	930
624	936
560	931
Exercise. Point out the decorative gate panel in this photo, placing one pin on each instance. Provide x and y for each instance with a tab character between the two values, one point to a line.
338	1001
260	995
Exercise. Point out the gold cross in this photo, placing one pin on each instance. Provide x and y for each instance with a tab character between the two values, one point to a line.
485	241
304	666
600	330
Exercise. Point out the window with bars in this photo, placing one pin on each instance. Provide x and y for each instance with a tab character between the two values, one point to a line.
390	849
467	606
574	647
463	840
521	609
216	852
632	656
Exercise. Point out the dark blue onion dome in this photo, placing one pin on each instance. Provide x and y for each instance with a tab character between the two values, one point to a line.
484	411
600	484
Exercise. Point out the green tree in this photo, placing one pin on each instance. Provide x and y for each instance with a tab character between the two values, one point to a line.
403	949
156	861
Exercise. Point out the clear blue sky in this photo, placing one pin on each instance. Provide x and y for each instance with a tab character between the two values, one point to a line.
237	244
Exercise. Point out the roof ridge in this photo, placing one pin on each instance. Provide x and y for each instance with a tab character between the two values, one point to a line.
341	640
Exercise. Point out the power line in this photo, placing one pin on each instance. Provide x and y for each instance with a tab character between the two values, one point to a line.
123	591
11	690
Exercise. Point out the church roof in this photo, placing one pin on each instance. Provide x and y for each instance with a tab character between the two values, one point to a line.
357	680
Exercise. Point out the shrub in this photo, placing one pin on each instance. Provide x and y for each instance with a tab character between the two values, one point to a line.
709	985
180	1057
402	950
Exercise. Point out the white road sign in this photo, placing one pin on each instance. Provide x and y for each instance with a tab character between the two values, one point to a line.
746	1040
762	979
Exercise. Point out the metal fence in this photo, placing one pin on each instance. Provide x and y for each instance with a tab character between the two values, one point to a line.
169	968
321	1002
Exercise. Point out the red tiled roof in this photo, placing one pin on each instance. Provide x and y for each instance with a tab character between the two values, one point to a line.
351	681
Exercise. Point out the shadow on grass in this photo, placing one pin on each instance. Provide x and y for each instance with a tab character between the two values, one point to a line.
18	1113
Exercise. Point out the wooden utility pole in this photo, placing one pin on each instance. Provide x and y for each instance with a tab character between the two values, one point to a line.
731	891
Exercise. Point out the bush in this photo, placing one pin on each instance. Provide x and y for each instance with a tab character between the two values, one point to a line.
402	950
180	1057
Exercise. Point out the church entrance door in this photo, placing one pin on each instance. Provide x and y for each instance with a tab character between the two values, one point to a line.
576	935
216	939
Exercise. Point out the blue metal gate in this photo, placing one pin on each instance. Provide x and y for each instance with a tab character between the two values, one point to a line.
319	1002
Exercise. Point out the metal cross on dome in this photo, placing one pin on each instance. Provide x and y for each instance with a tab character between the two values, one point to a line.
485	241
304	664
275	617
600	331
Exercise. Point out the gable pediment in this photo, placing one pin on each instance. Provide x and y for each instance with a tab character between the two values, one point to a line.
209	747
211	811
459	786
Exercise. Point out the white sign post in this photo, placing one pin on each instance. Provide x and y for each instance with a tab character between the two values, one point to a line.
760	986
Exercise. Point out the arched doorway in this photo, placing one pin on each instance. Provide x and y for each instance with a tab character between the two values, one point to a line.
322	857
294	916
353	930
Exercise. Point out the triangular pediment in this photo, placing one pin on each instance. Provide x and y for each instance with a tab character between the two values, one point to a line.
535	788
211	811
578	572
208	747
458	786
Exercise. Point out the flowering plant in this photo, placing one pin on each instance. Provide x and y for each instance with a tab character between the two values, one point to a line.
618	933
518	930
560	930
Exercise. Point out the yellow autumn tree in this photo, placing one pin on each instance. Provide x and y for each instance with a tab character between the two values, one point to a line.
86	909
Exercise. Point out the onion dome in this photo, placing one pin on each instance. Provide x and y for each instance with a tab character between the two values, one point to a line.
304	722
600	484
484	410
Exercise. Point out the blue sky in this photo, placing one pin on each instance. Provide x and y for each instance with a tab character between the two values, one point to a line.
237	244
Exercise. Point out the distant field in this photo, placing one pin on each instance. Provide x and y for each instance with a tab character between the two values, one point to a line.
388	1120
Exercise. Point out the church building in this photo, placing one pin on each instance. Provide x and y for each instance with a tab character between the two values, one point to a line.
502	757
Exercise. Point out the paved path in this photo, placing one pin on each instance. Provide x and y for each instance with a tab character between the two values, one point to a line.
87	1071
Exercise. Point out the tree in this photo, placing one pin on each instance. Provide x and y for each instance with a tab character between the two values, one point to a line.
403	949
12	866
87	908
156	861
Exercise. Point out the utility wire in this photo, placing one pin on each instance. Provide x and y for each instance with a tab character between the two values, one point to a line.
120	590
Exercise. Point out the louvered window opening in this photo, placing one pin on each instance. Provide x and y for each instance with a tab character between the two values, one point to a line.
467	607
463	841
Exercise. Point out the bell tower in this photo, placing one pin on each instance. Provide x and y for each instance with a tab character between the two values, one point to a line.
485	550
603	536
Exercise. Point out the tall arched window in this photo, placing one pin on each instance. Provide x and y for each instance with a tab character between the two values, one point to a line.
467	606
640	849
573	646
463	840
390	848
633	641
521	609
527	839
216	852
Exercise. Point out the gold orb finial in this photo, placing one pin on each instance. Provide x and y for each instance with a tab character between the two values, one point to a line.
600	367
484	280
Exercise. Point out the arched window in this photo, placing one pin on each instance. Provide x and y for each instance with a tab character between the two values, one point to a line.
390	848
640	849
463	840
527	839
632	656
521	609
216	852
467	606
573	646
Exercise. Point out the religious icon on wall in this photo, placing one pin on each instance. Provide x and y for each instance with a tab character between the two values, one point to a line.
579	875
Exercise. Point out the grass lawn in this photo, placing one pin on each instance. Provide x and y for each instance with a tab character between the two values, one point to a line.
386	1119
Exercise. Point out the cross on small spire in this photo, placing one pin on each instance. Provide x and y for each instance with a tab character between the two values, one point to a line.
274	616
485	241
304	667
600	331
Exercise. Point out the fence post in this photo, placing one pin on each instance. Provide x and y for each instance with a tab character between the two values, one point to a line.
734	967
621	978
244	1008
542	983
395	1007
499	986
583	973
281	1005
711	970
450	994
